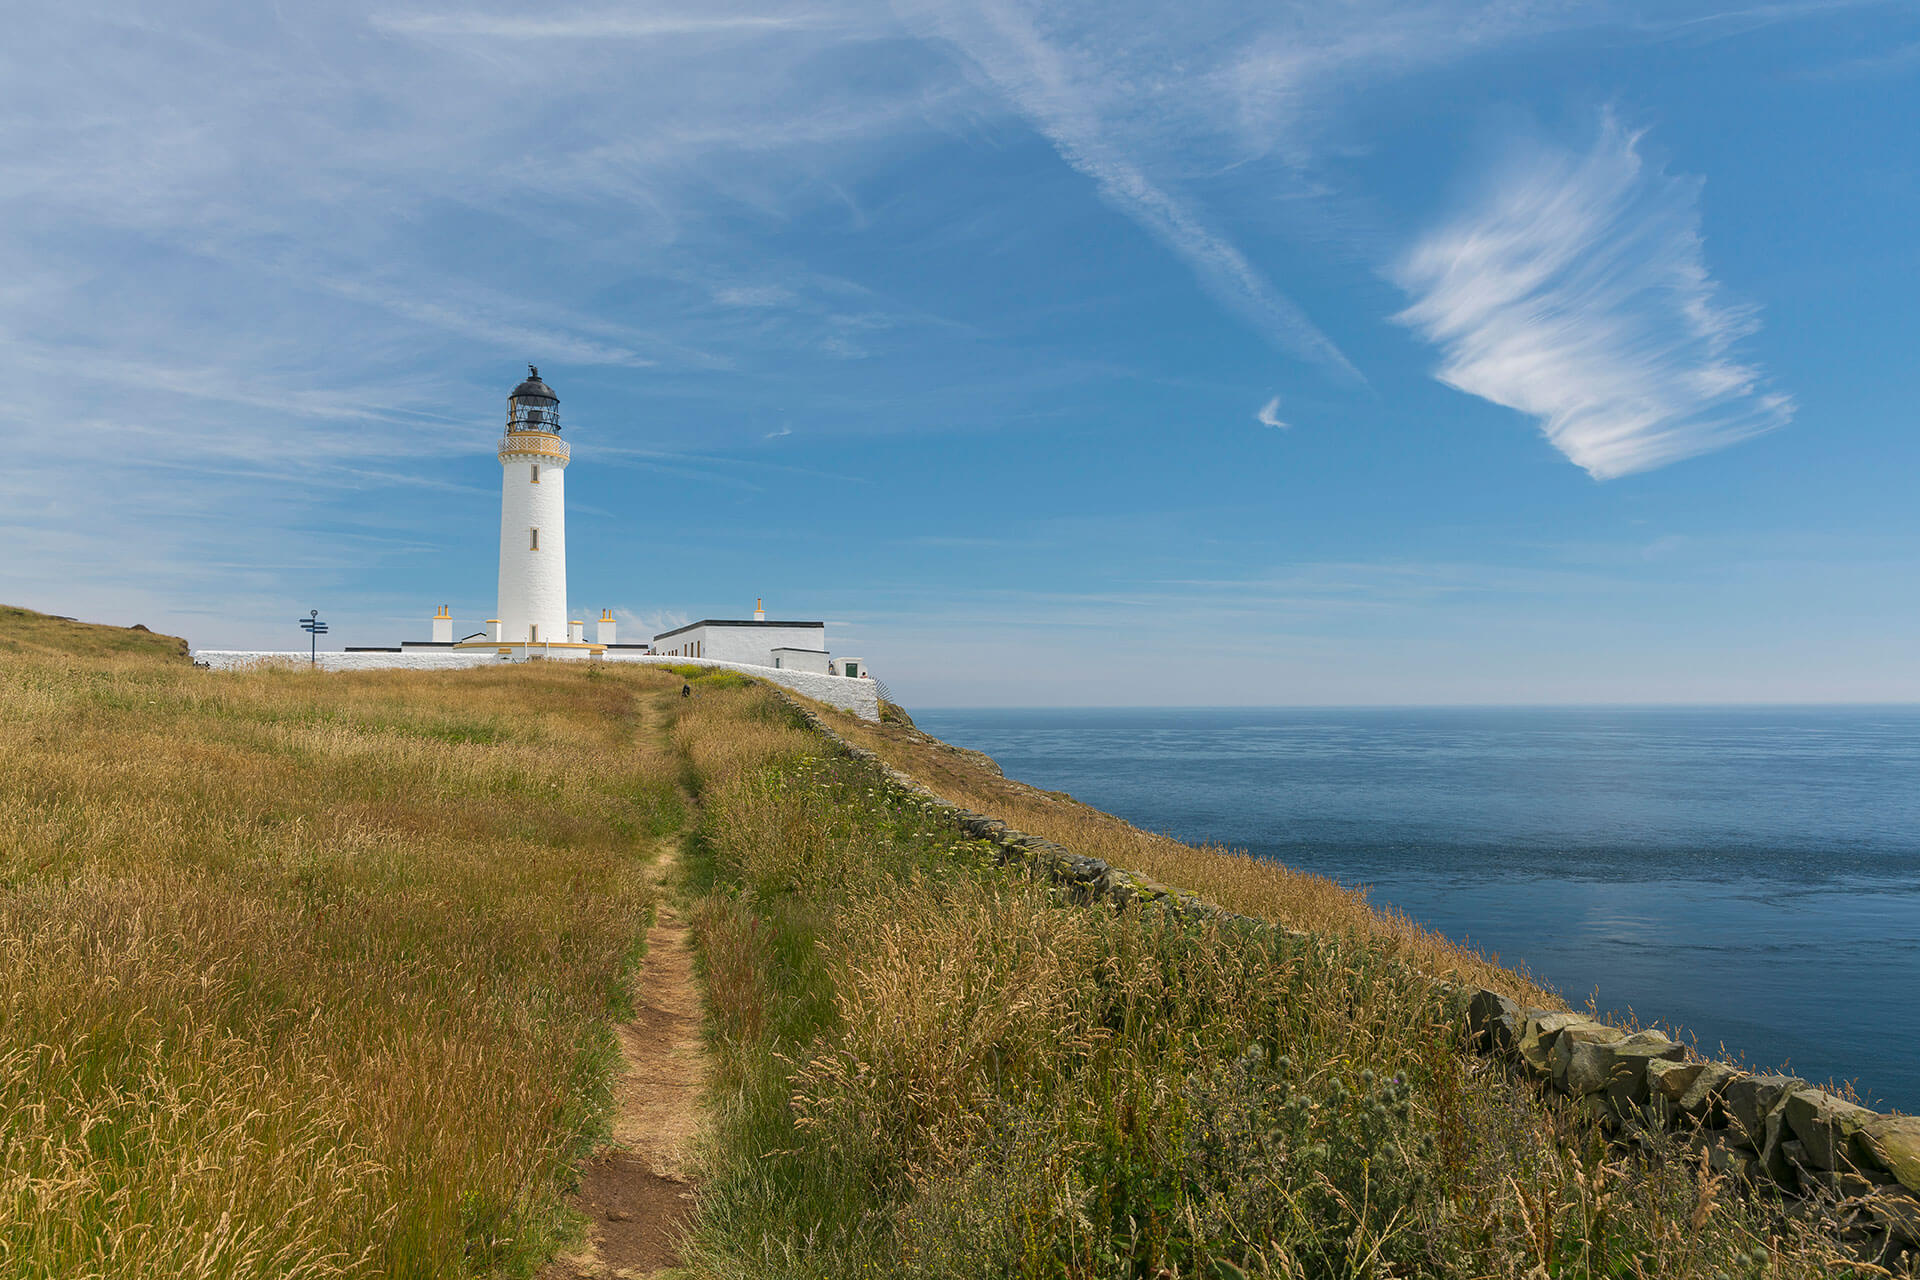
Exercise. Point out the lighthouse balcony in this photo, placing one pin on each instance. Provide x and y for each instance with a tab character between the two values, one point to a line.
538	444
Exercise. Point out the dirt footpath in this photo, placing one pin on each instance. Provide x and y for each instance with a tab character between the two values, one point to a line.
636	1192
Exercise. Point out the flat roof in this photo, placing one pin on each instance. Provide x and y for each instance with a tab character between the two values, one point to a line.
735	622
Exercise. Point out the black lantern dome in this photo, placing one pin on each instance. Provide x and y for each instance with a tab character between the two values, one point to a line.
533	406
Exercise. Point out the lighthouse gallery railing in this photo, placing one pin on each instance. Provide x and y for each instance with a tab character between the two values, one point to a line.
539	443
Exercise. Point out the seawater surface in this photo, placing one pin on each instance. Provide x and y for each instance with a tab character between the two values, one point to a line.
1751	876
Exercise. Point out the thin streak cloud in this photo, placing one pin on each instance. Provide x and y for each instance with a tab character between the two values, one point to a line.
1060	100
596	26
1576	291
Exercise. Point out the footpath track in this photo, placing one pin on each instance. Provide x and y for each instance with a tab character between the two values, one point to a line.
637	1193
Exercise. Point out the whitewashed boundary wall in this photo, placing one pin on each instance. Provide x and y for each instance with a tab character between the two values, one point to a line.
244	659
860	696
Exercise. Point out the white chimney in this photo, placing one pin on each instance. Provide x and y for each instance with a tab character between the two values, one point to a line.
603	632
759	609
443	625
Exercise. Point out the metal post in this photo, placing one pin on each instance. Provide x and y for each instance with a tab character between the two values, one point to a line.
314	628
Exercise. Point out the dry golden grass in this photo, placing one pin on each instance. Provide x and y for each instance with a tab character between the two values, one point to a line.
307	974
1226	877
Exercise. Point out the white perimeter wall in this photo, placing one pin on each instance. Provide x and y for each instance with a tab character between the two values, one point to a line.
858	696
533	584
430	660
753	644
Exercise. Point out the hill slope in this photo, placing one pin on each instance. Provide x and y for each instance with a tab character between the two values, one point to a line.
24	631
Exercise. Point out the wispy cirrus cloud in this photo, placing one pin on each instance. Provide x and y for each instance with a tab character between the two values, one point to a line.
589	26
1269	415
1576	291
1078	93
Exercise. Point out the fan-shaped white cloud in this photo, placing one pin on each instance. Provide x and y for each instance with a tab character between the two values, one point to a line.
1577	291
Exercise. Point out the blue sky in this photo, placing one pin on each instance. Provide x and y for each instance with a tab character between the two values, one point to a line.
1089	353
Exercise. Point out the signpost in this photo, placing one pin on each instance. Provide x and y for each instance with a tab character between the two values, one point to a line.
314	628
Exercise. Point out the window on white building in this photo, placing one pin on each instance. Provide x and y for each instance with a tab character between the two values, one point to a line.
536	473
533	543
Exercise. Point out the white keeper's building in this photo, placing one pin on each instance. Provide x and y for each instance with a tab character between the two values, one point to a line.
759	641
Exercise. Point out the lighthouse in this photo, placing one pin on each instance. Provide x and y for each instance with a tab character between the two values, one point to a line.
533	519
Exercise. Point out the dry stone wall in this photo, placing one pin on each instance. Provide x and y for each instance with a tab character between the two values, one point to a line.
1764	1130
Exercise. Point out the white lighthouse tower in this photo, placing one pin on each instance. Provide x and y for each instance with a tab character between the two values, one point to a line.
533	519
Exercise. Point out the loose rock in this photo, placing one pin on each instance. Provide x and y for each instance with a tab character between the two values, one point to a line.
1577	1069
1495	1021
1825	1125
1536	1042
1894	1143
1627	1063
1705	1099
1749	1101
1669	1081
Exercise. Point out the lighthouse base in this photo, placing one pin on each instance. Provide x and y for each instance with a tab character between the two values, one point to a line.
529	651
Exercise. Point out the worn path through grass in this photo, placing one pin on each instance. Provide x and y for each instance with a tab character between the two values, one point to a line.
637	1193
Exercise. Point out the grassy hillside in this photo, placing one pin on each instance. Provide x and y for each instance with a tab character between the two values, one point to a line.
313	975
308	975
22	631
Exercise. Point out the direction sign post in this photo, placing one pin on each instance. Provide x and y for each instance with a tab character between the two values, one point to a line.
314	628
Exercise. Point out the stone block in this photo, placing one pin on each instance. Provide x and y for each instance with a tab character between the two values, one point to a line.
1825	1125
1668	1081
1536	1041
1572	1048
1750	1099
1626	1064
1494	1021
1893	1142
1776	1158
1704	1101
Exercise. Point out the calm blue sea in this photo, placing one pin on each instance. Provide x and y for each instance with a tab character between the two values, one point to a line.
1750	875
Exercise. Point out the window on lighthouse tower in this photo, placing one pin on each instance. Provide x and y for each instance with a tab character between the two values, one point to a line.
536	473
533	541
